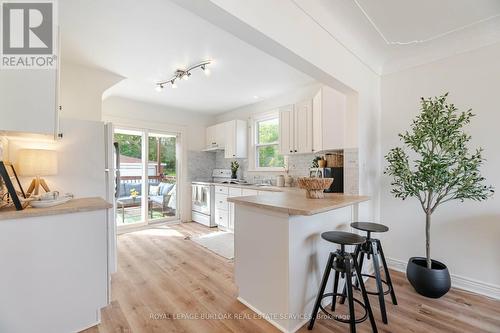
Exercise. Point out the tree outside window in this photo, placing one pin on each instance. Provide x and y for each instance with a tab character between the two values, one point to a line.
267	144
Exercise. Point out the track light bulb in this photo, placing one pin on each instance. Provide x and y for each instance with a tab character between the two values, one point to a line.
159	87
174	85
186	76
206	70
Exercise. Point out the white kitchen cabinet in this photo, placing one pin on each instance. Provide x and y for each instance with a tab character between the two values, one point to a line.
303	127
236	139
296	123
29	101
215	136
328	116
287	128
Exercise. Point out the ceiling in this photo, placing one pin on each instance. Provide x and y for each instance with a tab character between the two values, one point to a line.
390	35
146	41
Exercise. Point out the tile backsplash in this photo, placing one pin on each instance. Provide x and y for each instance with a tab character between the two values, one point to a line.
200	165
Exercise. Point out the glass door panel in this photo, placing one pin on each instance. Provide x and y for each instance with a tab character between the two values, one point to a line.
129	208
162	177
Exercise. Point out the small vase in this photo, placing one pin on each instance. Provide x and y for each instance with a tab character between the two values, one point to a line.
234	174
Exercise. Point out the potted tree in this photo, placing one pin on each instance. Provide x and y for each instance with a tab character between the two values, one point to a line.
443	169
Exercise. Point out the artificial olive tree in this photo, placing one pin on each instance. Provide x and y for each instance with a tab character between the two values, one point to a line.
442	168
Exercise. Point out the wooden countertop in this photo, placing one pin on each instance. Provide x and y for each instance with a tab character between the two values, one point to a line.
73	206
297	203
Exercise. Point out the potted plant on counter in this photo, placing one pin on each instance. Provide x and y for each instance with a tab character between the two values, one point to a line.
443	170
234	169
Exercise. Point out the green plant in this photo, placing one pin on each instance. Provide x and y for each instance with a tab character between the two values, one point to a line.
443	168
234	166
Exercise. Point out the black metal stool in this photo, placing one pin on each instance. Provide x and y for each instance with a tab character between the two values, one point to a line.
343	263
372	247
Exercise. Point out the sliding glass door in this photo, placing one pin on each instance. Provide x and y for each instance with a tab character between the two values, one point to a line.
147	188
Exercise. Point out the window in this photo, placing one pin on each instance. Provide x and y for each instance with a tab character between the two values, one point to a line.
267	154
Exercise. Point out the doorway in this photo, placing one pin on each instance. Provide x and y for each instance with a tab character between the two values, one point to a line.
147	183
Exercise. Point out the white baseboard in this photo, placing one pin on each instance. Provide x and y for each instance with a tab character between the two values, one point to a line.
457	281
272	322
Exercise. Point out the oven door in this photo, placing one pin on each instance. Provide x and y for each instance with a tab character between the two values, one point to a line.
201	199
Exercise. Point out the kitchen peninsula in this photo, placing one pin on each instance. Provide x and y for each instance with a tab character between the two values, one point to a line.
279	254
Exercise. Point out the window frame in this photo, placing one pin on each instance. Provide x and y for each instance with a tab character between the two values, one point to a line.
255	145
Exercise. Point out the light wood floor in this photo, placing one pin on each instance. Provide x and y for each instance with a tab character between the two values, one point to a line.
162	273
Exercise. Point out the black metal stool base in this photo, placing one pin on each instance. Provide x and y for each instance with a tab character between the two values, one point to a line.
373	248
343	262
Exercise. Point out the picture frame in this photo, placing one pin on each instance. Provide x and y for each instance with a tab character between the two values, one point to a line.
11	181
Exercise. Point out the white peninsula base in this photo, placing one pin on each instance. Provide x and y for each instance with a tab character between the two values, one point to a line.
280	258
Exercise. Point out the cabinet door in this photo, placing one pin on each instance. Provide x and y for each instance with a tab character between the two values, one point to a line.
220	134
210	136
28	101
286	130
317	128
230	136
303	127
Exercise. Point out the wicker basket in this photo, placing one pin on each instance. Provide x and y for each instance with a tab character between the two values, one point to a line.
334	160
314	186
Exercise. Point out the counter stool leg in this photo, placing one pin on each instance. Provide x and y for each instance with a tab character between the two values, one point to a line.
387	274
335	287
366	300
350	296
324	281
344	292
378	280
361	261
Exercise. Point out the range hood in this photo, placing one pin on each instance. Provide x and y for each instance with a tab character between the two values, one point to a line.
213	148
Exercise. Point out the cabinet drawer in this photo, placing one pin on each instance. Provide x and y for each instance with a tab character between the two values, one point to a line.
247	192
221	189
234	192
222	218
221	202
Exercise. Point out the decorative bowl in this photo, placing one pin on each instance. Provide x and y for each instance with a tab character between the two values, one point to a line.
314	186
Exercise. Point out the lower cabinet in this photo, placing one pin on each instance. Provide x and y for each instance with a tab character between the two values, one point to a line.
224	210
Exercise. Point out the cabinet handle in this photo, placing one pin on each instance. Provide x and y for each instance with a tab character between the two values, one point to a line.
291	151
295	150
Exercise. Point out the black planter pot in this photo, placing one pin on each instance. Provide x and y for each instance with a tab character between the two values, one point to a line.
432	283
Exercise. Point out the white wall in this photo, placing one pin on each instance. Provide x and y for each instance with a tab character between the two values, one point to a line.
160	117
81	90
465	236
290	97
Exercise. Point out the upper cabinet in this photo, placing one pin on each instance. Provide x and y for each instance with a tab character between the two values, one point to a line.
236	139
296	127
29	101
329	123
216	136
230	136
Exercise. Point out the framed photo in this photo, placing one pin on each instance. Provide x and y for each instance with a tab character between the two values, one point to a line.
13	185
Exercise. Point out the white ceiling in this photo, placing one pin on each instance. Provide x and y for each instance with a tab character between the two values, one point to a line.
146	41
390	35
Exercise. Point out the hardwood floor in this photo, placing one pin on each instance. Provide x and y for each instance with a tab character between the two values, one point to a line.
163	277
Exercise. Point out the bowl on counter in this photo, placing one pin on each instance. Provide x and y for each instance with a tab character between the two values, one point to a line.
314	186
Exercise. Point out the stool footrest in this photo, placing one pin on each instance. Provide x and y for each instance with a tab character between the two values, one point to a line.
331	315
385	292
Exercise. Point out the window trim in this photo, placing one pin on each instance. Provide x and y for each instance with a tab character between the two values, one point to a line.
254	145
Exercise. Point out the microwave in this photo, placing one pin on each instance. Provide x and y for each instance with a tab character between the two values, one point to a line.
336	173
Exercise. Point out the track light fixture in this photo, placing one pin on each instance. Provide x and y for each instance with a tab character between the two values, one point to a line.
184	74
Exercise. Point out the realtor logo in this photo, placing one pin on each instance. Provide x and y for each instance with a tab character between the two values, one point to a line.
27	34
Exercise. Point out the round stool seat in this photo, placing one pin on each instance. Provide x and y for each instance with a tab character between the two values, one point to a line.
369	226
343	238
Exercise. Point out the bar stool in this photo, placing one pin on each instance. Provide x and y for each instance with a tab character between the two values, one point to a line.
373	248
342	262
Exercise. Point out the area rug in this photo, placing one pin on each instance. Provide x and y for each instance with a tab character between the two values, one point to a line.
221	243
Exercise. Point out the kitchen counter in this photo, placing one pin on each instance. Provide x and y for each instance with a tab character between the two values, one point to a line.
73	206
296	203
268	188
